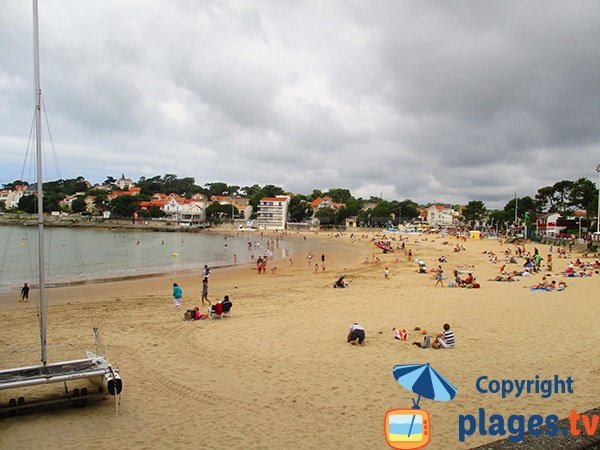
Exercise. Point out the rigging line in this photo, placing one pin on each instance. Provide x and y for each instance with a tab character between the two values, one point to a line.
29	258
100	348
5	254
56	164
27	151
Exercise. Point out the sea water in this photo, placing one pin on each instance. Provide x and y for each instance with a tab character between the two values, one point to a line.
82	254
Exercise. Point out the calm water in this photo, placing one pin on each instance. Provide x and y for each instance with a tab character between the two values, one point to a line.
77	254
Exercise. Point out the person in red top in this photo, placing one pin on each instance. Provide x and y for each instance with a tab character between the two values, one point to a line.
468	280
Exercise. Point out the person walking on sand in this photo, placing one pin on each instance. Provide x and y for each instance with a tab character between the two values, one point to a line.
24	293
205	291
439	277
177	295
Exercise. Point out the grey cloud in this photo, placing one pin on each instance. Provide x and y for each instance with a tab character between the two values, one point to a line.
429	101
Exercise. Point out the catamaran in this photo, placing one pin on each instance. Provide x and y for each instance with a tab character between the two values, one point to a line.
94	368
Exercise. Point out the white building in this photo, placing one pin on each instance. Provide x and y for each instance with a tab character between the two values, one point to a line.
11	198
124	183
272	213
184	210
548	224
440	215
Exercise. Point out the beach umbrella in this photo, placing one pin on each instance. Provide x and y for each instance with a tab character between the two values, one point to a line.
425	381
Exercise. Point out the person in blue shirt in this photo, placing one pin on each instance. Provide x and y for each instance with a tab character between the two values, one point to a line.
177	295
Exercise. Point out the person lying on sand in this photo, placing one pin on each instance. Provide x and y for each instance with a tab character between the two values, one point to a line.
341	282
503	278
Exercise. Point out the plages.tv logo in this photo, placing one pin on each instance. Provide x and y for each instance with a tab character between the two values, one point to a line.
410	428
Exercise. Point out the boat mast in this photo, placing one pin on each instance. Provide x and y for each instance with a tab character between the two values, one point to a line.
40	193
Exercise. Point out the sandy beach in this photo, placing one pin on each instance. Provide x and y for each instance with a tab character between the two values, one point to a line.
279	373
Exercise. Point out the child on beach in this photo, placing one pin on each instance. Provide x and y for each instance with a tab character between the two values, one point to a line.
444	339
386	273
177	295
24	297
439	277
426	340
205	291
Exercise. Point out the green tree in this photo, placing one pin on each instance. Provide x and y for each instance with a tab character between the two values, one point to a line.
28	203
326	216
299	209
217	188
353	207
524	204
382	213
124	205
408	210
315	194
79	205
339	195
272	191
584	196
474	211
215	212
14	184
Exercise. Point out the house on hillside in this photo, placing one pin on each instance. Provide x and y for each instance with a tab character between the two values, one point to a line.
325	202
130	191
124	183
440	215
11	197
272	212
67	202
183	210
240	205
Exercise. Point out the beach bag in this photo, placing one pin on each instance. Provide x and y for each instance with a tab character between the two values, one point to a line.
189	314
476	286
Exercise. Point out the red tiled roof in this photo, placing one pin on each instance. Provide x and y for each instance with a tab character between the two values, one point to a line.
273	199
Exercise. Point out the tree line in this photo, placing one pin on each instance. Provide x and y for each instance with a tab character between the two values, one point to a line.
563	197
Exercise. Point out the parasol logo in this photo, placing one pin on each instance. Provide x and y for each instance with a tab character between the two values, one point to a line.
410	428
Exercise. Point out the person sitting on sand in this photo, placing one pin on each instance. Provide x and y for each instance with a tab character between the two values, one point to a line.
341	282
356	334
468	281
198	315
426	340
444	339
457	279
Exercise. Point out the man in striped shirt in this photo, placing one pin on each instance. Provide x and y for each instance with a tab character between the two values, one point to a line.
445	339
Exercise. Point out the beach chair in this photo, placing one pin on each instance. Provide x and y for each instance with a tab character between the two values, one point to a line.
226	309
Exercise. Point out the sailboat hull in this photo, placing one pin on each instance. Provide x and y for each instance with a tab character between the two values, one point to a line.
97	369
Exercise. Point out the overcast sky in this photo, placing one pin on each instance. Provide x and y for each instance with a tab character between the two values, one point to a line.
428	100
